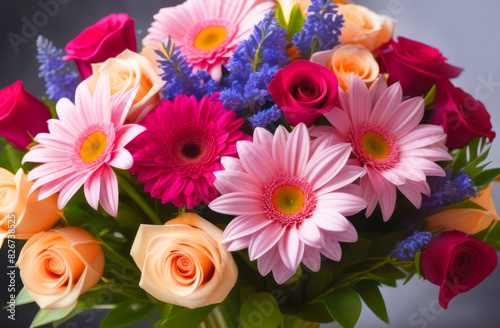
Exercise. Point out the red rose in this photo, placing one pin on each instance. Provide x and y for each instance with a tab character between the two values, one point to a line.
462	117
107	38
415	65
457	263
20	113
304	90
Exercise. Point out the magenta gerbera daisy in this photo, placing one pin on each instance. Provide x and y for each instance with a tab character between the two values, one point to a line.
291	197
207	31
181	149
386	137
83	145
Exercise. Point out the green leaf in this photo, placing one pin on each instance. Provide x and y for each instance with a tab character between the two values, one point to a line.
261	307
410	276
44	317
316	311
280	16
430	96
460	160
10	157
126	313
23	297
183	317
486	177
369	292
345	307
468	204
296	22
490	235
417	264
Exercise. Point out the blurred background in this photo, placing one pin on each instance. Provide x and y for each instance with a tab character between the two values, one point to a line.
466	32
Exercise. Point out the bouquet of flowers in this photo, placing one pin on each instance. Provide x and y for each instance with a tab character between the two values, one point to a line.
258	164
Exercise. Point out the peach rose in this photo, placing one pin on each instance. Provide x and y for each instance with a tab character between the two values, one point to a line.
470	221
184	262
25	215
126	71
345	59
56	266
363	26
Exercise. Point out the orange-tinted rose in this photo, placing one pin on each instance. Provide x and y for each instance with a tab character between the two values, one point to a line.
184	262
127	71
23	215
56	266
363	26
347	59
468	220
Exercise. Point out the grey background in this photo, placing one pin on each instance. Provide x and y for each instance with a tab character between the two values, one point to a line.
466	32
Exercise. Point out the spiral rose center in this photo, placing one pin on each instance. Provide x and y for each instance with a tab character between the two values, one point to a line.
463	263
210	37
93	146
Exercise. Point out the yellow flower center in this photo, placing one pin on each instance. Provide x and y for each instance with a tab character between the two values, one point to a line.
210	37
375	145
288	199
93	147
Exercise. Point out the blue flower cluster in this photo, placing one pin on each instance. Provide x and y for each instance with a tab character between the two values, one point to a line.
447	191
406	249
321	29
253	65
180	77
265	117
60	80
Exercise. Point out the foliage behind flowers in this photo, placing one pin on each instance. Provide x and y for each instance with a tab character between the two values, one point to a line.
248	181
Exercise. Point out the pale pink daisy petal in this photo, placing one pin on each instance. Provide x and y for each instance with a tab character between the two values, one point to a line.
273	191
208	31
388	141
80	148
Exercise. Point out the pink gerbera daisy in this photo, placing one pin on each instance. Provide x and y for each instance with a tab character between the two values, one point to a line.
386	137
82	146
207	31
182	147
291	197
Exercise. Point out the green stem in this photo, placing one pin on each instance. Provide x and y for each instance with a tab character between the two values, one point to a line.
215	319
138	198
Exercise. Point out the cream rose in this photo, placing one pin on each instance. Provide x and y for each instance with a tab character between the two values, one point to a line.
184	262
347	59
363	26
24	215
56	266
126	71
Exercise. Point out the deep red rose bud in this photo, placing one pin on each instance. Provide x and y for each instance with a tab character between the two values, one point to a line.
415	65
107	38
304	90
457	263
21	114
462	117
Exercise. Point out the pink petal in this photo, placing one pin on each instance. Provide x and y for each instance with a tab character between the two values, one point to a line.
377	89
409	114
340	120
330	221
359	100
256	161
297	151
332	250
279	144
413	195
234	181
263	138
281	273
261	242
325	166
291	249
350	235
232	164
238	203
347	175
310	234
92	189
368	194
109	191
121	159
312	258
385	106
266	262
70	189
341	202
239	244
245	225
386	193
127	133
422	136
